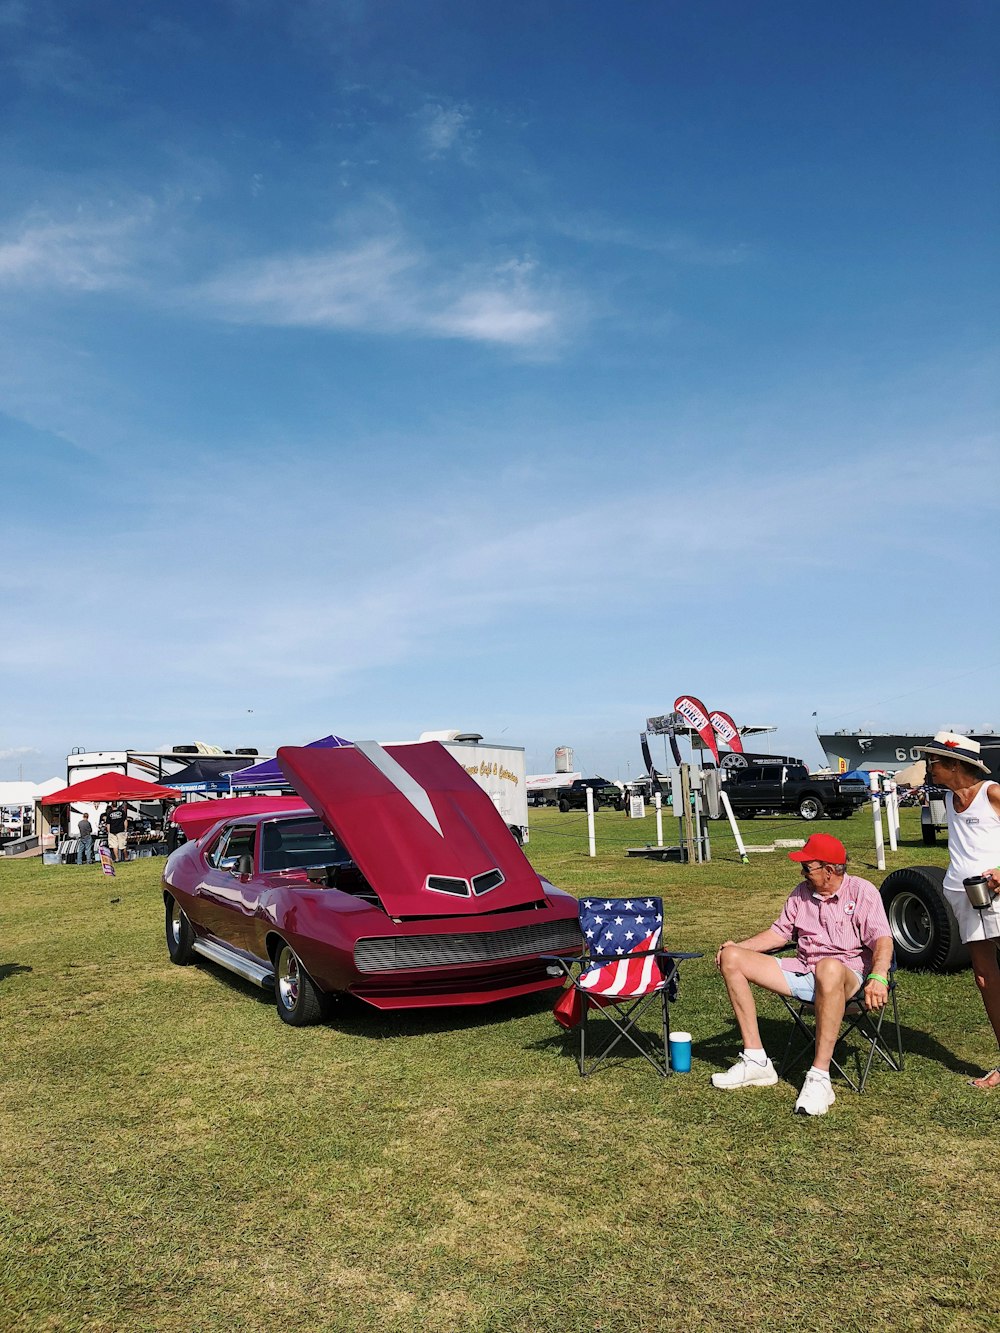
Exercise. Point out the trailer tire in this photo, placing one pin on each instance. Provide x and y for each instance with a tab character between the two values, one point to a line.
923	925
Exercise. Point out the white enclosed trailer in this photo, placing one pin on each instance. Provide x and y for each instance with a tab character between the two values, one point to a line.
499	770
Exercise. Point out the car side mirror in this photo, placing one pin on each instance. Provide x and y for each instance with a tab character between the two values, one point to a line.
243	866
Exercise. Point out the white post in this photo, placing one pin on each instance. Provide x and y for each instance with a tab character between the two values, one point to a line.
877	820
590	821
724	798
658	799
892	814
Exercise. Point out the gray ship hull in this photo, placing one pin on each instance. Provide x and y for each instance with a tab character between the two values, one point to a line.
870	749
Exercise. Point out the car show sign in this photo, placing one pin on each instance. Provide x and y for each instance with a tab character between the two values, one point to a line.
693	711
727	731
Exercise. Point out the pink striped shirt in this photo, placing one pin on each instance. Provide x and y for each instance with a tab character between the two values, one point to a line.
845	925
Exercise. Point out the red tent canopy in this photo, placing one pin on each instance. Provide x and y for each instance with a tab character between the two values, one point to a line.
110	787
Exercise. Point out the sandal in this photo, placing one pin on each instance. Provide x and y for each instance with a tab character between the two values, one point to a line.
988	1082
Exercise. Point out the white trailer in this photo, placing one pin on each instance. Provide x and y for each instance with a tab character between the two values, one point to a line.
499	770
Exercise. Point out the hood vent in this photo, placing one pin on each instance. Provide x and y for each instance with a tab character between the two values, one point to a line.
458	888
483	883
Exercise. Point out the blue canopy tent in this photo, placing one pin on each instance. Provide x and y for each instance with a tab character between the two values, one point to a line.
207	773
268	775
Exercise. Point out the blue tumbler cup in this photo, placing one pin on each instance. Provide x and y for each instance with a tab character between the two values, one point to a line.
680	1052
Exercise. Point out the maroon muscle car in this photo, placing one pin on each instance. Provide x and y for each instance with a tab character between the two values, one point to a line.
391	876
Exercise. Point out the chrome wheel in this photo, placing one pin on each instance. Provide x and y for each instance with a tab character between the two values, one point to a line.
910	922
295	993
179	932
288	978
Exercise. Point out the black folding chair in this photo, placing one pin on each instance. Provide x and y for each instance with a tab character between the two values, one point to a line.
869	1026
622	972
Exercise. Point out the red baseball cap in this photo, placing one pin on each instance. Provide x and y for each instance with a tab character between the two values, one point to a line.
821	847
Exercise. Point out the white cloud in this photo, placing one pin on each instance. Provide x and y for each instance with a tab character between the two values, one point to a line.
16	751
673	243
86	254
384	285
442	128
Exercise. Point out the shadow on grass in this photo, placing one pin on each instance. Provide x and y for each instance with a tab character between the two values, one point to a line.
354	1018
12	970
723	1048
600	1031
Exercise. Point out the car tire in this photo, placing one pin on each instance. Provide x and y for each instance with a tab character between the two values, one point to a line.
810	808
180	933
928	835
564	806
298	1001
921	919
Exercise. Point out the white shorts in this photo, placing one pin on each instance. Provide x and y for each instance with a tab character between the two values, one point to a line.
117	841
803	984
973	924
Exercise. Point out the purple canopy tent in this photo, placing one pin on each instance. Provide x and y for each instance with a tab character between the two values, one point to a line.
269	774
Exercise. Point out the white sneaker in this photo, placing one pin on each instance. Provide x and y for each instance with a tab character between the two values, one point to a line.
746	1074
816	1097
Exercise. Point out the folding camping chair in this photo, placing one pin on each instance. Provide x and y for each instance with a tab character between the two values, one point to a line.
868	1025
622	972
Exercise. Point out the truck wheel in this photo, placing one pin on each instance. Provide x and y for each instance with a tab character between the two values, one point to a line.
810	807
745	814
928	835
564	806
922	922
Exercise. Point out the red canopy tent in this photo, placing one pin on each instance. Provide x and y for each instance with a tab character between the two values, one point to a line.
111	787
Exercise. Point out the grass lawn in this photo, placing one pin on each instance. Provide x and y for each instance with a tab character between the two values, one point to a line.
174	1157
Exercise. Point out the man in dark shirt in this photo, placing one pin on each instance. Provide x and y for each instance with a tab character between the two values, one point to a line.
85	846
117	831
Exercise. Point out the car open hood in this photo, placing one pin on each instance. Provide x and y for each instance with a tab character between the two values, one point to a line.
409	812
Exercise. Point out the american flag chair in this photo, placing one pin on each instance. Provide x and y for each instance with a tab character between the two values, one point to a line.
622	971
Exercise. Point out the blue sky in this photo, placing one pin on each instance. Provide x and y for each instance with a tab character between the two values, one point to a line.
378	367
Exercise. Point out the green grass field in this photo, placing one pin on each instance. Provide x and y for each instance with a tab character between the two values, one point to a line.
176	1158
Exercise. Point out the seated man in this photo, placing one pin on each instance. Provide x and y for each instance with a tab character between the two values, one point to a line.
843	941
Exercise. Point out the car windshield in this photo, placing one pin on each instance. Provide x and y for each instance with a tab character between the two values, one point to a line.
300	844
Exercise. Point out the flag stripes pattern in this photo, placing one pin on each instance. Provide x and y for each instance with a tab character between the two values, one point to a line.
614	928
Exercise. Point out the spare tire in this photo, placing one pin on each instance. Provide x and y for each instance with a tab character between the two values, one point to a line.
923	925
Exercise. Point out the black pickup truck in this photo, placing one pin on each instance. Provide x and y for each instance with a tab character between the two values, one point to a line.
786	787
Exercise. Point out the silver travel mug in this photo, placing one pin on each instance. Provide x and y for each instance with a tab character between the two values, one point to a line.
978	891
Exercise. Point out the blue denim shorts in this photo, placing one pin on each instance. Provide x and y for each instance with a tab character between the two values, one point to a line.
803	984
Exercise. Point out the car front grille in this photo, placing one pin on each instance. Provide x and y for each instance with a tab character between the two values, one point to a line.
415	951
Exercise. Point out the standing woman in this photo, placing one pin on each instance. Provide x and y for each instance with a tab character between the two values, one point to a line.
973	804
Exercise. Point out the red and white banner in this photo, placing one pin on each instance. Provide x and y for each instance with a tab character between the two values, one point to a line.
693	710
727	731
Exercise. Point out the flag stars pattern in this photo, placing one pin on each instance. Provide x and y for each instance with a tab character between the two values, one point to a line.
616	929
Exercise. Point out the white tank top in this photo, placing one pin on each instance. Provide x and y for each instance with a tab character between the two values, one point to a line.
973	838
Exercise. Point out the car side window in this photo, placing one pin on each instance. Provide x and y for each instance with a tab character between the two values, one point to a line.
239	843
217	847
